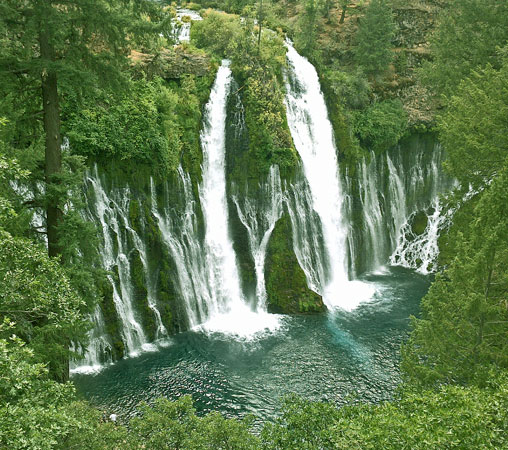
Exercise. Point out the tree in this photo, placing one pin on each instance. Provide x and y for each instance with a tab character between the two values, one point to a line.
467	38
473	127
374	38
464	323
55	47
453	417
170	425
464	320
343	5
307	22
37	296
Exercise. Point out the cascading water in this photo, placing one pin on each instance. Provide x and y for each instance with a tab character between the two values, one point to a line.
259	218
307	233
151	296
228	309
420	252
396	188
313	137
181	27
112	212
180	234
334	226
221	259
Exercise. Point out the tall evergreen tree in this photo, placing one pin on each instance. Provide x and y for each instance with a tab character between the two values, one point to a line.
50	47
374	38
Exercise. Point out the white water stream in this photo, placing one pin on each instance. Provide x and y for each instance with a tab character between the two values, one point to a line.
313	137
229	311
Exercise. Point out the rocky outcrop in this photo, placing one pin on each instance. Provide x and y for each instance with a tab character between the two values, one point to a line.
172	63
286	285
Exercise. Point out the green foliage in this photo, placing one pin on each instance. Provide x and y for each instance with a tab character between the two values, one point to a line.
32	407
302	425
468	37
381	125
473	127
36	294
464	317
139	126
453	417
153	123
170	425
373	49
259	73
352	89
92	39
307	22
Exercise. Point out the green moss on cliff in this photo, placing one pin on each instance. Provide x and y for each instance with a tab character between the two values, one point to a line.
286	284
258	72
111	319
140	296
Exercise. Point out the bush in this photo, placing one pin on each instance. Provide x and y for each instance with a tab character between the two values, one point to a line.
380	126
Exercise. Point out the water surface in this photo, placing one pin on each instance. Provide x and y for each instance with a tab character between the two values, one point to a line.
321	357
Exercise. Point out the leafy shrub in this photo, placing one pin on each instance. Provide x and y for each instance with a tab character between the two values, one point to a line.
381	125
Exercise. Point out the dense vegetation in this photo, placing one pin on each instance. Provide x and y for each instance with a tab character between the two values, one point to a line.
455	363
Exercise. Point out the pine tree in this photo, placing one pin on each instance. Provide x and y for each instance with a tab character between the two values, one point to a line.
374	38
49	48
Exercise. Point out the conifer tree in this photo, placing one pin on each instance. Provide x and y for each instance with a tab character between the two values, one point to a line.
374	38
50	47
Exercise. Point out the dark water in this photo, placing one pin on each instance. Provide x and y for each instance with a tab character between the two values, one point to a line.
327	357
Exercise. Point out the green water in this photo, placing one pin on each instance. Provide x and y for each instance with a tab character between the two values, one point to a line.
327	357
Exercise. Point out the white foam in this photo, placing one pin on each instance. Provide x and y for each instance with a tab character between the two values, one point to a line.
241	322
349	294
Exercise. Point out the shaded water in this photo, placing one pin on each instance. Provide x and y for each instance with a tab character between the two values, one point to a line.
323	357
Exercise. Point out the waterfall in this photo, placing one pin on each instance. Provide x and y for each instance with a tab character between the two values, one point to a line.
151	296
111	212
180	233
387	211
99	349
227	309
395	189
369	189
420	252
307	234
313	138
181	29
220	256
259	218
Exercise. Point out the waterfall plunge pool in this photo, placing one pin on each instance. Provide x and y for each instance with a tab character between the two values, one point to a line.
319	357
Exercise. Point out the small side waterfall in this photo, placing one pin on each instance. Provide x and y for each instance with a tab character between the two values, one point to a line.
420	252
151	296
182	24
259	217
180	234
111	213
401	214
307	234
313	137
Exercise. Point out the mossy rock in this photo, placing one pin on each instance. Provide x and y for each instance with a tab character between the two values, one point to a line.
419	223
140	296
111	319
286	284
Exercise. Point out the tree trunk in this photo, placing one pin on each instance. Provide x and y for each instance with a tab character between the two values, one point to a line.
53	153
343	14
260	20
